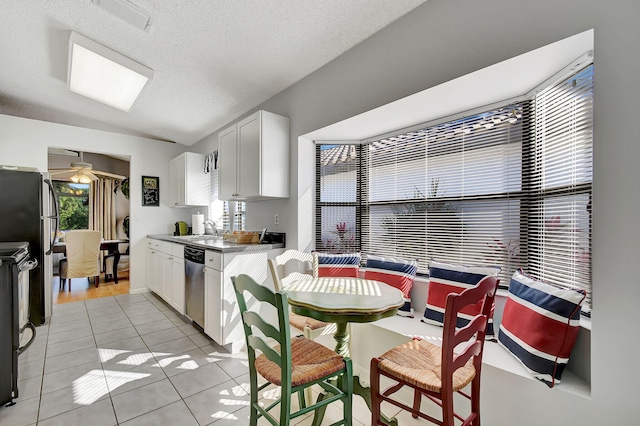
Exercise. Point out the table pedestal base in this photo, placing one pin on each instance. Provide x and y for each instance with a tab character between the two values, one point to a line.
358	389
342	347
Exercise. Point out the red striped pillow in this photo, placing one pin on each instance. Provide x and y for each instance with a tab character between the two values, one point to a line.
396	273
447	278
336	265
540	324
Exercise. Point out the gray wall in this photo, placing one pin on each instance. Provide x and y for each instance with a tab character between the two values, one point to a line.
445	39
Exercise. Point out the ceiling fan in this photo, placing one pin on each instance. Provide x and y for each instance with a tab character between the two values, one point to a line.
80	171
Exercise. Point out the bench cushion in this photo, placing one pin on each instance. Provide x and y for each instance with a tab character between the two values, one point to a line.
540	324
445	278
397	273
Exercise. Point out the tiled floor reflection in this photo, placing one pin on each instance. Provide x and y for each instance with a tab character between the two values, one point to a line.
132	360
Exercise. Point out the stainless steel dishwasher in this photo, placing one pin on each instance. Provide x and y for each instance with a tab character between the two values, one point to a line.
194	283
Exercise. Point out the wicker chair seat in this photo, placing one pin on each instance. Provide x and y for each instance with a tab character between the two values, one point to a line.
300	322
310	361
418	362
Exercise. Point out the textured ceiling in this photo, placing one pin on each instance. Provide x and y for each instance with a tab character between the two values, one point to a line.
213	59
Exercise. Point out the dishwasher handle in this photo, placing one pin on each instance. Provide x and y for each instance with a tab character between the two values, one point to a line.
194	254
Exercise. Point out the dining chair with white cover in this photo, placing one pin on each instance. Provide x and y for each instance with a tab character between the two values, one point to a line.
82	256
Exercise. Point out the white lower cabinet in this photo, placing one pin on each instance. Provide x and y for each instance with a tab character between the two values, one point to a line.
165	272
165	280
222	320
177	297
213	296
154	261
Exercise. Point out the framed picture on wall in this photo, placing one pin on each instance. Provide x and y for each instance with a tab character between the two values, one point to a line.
150	191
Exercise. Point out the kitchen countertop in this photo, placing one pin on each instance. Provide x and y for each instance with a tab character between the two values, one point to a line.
209	242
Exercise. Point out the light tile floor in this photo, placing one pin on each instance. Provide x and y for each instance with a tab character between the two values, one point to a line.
132	360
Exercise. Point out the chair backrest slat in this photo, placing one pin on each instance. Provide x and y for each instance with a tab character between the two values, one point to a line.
473	333
254	319
461	358
465	333
258	343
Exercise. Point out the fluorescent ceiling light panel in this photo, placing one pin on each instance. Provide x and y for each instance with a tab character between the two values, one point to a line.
104	75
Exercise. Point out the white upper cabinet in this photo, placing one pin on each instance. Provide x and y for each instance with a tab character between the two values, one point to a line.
253	158
189	183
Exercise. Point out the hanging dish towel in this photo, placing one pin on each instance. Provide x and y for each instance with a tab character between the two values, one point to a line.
211	162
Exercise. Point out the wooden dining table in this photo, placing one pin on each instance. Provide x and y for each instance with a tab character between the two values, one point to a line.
111	246
342	301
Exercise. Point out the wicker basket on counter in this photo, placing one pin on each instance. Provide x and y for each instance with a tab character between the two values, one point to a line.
242	237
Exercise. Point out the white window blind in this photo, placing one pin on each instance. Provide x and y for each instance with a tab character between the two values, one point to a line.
450	192
338	198
559	225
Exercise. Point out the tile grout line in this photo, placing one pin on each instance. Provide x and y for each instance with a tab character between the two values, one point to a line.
44	364
106	383
166	377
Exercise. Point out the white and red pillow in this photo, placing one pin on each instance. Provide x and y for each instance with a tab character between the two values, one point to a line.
540	324
336	265
445	278
397	273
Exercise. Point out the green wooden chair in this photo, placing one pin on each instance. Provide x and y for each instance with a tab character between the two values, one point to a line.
294	364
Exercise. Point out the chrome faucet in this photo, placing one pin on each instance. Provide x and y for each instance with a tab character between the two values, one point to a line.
211	224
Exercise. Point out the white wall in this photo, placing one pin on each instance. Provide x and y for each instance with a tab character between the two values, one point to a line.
24	142
443	40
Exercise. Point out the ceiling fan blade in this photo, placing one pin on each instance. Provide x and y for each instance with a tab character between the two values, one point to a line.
108	175
81	165
54	172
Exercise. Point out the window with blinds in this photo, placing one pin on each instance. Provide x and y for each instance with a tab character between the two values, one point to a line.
239	216
508	187
559	180
223	213
338	198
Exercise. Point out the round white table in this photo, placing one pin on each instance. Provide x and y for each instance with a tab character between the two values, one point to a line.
341	301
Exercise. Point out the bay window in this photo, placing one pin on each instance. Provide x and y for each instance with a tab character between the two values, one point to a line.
509	186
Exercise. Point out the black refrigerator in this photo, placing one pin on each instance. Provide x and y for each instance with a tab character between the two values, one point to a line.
29	212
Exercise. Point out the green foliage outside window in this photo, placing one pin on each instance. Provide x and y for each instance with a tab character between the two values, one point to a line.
74	205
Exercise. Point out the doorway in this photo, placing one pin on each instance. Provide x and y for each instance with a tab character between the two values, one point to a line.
93	193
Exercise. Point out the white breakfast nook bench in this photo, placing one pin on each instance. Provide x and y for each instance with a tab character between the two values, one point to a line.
370	339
